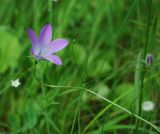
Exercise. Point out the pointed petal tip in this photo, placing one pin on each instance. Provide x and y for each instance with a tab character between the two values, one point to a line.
67	41
54	59
32	36
30	30
31	33
60	63
46	34
48	25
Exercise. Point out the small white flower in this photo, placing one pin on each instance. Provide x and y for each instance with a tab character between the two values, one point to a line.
15	83
147	106
55	0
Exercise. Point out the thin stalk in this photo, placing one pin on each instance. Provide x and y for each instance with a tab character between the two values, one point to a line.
144	55
110	102
125	110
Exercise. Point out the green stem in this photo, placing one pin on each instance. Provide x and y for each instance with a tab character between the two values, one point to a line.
125	110
102	112
143	68
110	102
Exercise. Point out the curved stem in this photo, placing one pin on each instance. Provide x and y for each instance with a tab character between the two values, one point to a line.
90	91
48	85
127	111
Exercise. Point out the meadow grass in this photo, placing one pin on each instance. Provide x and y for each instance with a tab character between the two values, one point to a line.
104	80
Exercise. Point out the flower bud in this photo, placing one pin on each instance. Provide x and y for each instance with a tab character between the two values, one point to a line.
149	59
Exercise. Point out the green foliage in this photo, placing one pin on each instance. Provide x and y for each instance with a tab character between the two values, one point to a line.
80	54
14	121
129	100
97	65
10	51
31	114
105	37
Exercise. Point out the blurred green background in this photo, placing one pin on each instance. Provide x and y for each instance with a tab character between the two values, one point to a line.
105	37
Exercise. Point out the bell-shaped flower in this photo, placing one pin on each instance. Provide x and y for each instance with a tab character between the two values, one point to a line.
45	48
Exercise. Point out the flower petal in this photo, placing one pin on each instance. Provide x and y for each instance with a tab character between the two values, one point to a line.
33	37
54	46
58	44
54	59
45	34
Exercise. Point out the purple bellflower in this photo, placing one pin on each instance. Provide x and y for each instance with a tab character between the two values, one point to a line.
43	47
